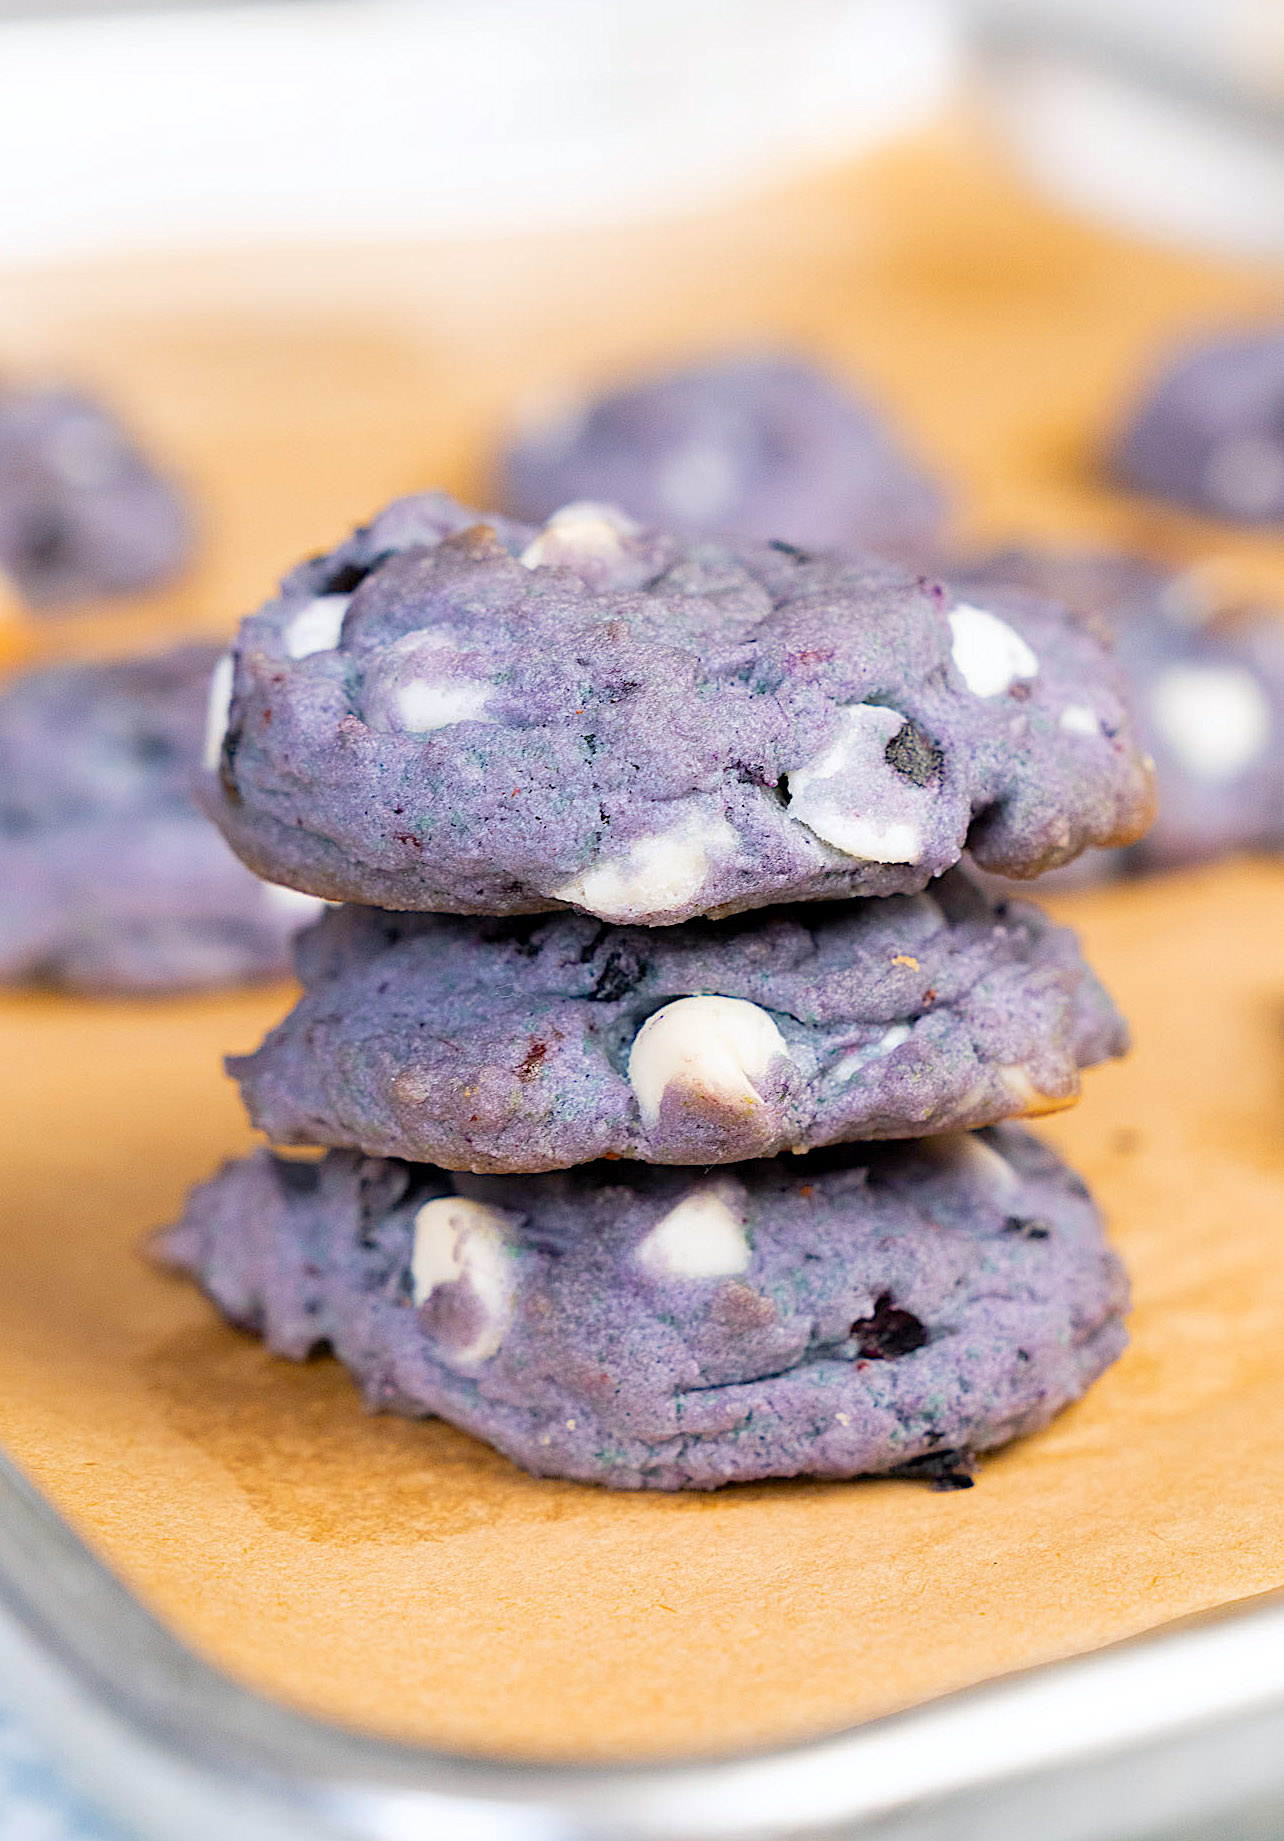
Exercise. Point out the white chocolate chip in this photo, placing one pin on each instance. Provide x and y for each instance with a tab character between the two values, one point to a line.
293	903
656	875
988	654
454	1239
425	704
578	534
1033	1101
1245	475
1078	719
973	1159
854	1061
316	626
853	798
421	683
716	1048
218	710
703	1237
698	482
1215	718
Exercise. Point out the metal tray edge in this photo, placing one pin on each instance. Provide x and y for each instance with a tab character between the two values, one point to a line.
1177	1732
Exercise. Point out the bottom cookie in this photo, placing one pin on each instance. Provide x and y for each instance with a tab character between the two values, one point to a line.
856	1311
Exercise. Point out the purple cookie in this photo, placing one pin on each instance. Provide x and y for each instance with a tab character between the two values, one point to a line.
110	879
82	511
536	1044
650	728
1210	430
756	447
1207	697
858	1311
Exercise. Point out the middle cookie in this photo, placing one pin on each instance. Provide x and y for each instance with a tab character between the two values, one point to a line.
548	1041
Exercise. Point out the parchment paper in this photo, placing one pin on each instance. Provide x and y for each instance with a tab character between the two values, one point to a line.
400	1576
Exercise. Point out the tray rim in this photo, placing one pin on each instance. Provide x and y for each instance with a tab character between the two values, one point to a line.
1138	1737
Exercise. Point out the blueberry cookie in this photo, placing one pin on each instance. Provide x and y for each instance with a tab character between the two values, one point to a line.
474	718
536	1044
860	1310
1207	697
757	447
110	879
1209	432
82	511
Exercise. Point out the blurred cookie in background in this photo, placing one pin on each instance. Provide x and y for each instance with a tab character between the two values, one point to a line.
1209	432
760	446
110	879
84	514
1208	698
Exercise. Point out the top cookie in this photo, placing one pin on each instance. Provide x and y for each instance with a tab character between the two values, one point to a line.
1210	431
479	718
759	446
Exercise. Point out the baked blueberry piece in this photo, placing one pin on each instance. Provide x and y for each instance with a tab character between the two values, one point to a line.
110	879
536	1044
83	513
1207	697
1209	432
757	446
476	718
855	1311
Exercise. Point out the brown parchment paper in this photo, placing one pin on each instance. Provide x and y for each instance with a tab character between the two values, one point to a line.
399	1576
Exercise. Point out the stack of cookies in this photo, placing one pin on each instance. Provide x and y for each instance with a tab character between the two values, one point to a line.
660	1047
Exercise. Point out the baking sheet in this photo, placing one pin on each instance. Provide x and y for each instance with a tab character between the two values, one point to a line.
401	1577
